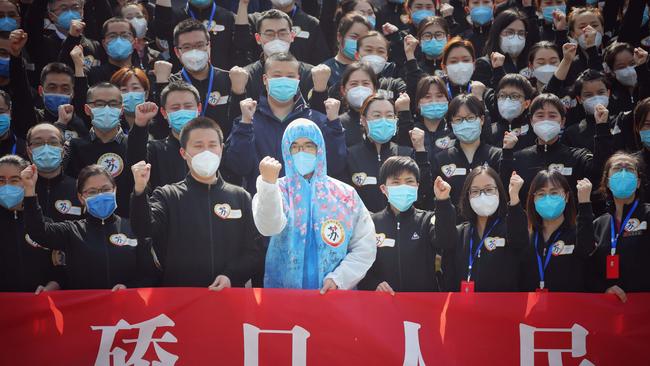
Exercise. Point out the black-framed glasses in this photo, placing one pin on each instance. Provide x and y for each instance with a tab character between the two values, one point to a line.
488	191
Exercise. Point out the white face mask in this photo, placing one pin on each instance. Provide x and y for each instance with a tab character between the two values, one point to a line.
206	164
276	46
484	205
281	3
460	73
544	73
195	60
140	25
547	130
626	76
583	44
357	95
377	63
509	109
512	46
590	103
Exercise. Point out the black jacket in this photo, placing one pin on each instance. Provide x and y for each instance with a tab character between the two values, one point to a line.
452	165
58	198
99	253
495	270
200	232
363	171
632	248
570	246
407	244
24	263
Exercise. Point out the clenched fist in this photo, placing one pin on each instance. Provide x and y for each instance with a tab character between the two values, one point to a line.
248	107
320	75
270	170
162	70
141	174
144	113
238	80
441	189
403	103
516	182
332	107
584	190
29	176
417	139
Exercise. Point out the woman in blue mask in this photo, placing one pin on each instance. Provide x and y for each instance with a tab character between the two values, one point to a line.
26	264
489	244
466	116
322	236
641	125
433	101
619	263
101	250
480	14
627	66
561	244
553	27
134	85
382	122
352	27
432	36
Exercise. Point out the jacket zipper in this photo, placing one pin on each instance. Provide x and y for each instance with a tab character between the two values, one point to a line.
399	257
210	226
108	261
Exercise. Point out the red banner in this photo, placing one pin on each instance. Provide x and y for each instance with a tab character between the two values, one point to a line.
288	327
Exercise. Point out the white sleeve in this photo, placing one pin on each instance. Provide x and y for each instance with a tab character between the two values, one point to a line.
362	250
268	212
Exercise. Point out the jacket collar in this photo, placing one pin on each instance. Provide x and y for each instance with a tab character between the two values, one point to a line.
191	182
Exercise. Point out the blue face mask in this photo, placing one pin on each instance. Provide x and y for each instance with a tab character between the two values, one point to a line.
419	15
433	110
283	89
547	12
550	206
201	3
47	158
645	138
305	162
119	49
131	99
623	184
467	131
372	20
481	14
53	101
64	20
350	48
178	119
382	130
402	197
5	122
4	66
8	24
11	196
106	118
592	2
645	18
433	47
101	205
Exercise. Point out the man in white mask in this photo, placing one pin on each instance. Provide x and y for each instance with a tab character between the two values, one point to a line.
202	227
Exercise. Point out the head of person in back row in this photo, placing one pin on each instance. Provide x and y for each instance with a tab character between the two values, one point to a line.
433	34
281	78
11	19
104	106
543	60
508	36
358	82
180	104
351	27
56	88
363	7
63	12
192	46
119	37
586	26
458	63
418	10
274	32
433	101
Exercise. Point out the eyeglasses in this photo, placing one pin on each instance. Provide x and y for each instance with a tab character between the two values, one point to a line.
282	34
196	46
513	96
623	166
94	191
64	8
489	191
459	120
13	181
308	148
509	33
53	143
438	36
103	103
126	35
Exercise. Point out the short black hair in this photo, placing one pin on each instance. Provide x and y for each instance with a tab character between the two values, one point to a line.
280	57
547	98
613	50
541	180
91	171
14	160
272	14
102	85
396	165
543	45
520	82
189	25
116	20
199	123
57	68
179	86
470	101
588	76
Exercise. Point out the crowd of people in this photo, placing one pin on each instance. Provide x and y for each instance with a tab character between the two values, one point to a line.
382	145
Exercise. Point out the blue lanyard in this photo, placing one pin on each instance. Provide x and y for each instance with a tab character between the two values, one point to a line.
293	11
469	89
549	253
207	95
214	9
13	148
473	256
627	218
